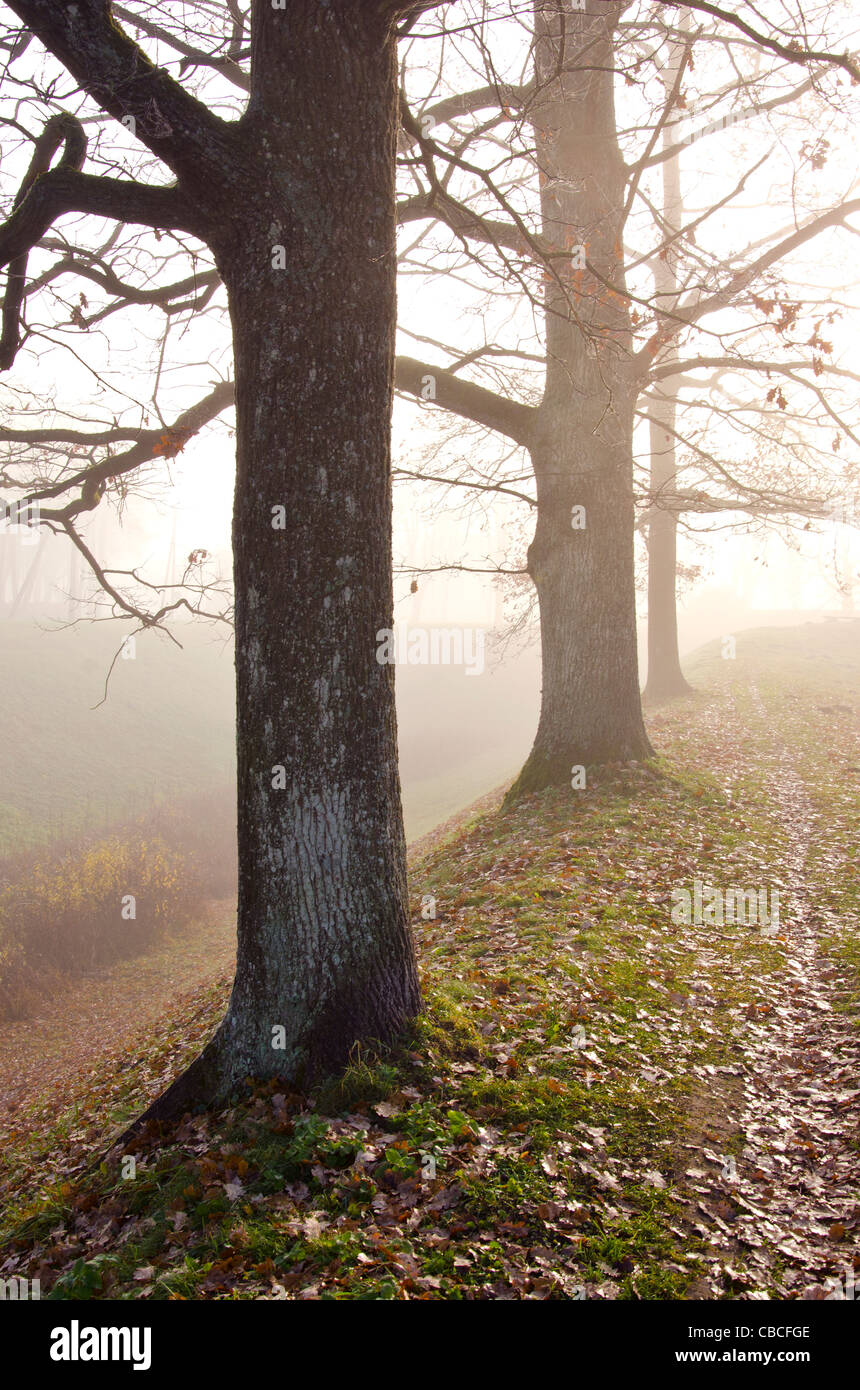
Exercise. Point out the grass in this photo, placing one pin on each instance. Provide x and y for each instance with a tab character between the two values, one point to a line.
529	1138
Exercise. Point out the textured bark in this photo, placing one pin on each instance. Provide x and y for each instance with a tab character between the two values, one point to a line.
590	702
590	705
296	200
324	948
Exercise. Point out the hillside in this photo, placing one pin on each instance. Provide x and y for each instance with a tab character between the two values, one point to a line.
165	733
598	1101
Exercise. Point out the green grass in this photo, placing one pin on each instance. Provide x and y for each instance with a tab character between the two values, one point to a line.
527	1139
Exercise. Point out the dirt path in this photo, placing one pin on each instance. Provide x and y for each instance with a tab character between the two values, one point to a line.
784	1212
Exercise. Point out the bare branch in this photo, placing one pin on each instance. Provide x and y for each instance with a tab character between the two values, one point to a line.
466	398
122	80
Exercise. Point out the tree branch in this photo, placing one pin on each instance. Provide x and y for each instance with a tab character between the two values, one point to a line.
66	190
223	63
121	79
61	129
792	52
45	196
692	311
149	444
465	398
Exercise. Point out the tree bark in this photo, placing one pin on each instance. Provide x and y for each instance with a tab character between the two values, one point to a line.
325	957
583	454
590	706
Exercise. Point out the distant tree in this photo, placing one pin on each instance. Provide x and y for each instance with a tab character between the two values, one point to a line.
588	252
579	435
724	443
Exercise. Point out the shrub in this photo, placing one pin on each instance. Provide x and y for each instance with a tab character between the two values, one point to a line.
114	899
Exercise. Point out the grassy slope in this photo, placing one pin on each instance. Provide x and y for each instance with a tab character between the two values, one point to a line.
557	1073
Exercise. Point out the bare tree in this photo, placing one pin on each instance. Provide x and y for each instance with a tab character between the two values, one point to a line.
295	200
703	396
607	334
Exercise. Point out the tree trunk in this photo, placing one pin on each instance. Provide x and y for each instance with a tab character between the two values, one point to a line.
325	956
590	706
665	678
582	563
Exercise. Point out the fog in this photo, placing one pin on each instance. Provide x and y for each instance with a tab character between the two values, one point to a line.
429	631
